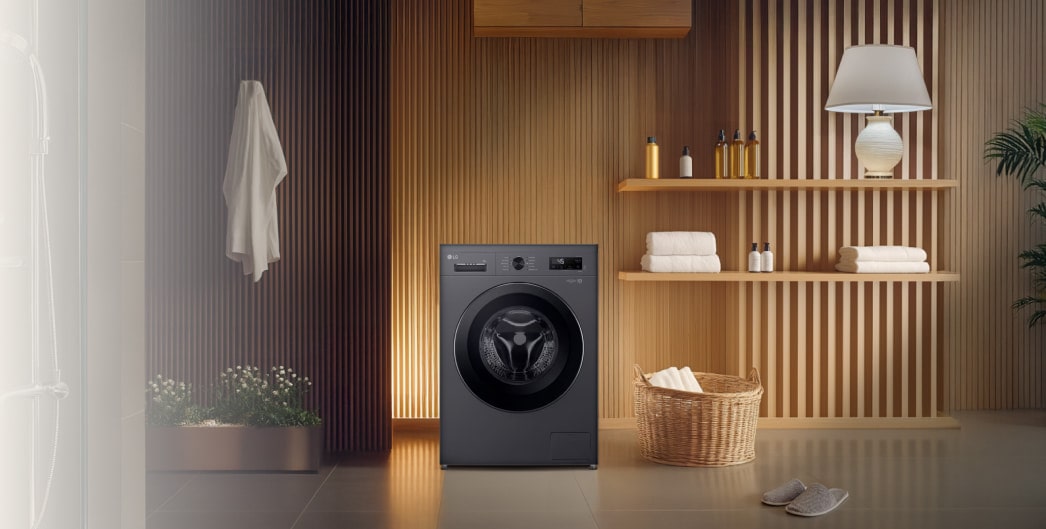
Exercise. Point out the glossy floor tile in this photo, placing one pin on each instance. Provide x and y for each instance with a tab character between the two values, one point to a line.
989	473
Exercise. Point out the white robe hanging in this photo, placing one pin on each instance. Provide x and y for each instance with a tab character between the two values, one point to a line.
255	167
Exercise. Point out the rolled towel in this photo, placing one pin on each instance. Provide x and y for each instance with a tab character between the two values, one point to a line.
881	253
681	263
664	379
884	267
677	379
680	243
689	380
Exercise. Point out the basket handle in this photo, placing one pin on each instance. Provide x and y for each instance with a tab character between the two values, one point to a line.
753	376
639	373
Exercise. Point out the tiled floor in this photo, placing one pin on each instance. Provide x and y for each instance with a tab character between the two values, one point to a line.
991	473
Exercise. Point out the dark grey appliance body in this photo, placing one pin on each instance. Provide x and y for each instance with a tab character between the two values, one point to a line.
491	413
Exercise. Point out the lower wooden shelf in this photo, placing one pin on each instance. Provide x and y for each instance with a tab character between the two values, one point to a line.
788	276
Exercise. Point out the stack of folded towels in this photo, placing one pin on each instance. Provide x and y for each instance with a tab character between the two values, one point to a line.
882	260
680	251
673	378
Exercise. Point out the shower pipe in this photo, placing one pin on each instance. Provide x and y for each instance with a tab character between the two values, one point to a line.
53	387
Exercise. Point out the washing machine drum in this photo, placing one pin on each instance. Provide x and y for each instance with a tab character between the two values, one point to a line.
518	347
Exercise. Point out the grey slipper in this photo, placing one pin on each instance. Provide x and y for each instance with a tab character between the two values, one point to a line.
816	500
784	494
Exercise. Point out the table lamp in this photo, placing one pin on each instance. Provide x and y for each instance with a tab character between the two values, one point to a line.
878	79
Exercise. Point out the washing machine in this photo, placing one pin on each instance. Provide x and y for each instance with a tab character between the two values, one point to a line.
518	355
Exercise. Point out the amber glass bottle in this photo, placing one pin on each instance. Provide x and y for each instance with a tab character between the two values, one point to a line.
721	155
736	155
751	156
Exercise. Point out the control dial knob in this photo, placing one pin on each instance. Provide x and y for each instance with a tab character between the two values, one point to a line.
518	263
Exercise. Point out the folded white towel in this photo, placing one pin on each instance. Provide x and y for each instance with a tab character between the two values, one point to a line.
677	379
884	267
881	253
680	243
681	263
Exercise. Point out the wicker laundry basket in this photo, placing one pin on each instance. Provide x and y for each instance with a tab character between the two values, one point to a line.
711	429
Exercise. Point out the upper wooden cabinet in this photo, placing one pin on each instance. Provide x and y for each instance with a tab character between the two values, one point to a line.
581	18
526	13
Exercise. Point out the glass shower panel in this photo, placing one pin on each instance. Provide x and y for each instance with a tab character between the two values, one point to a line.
41	293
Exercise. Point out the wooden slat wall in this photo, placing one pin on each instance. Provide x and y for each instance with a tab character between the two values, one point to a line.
501	140
323	308
844	349
523	140
993	64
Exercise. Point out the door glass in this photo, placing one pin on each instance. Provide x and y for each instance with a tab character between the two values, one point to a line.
518	344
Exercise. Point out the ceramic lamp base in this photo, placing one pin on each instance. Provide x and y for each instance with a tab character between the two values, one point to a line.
879	147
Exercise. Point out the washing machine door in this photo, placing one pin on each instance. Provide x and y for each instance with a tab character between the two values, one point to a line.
518	347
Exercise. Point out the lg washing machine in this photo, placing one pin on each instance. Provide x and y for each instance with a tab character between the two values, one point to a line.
518	355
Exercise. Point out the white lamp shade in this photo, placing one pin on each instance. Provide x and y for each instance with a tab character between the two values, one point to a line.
878	77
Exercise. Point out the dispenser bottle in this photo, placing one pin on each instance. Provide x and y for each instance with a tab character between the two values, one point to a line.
751	156
686	164
767	264
755	263
651	157
721	156
736	155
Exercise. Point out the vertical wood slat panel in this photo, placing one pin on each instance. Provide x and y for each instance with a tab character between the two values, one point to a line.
865	329
322	308
989	77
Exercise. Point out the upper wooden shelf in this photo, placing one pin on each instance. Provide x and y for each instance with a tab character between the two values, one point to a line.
788	276
799	184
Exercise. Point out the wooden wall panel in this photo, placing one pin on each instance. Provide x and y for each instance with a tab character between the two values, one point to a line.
993	62
323	308
523	140
835	350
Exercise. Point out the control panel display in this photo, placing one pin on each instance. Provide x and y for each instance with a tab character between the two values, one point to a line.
470	267
564	263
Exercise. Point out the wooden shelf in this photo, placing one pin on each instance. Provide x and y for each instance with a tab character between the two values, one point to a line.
788	276
798	184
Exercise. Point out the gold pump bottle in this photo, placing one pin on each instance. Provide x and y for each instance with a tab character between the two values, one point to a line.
751	156
721	155
651	157
736	155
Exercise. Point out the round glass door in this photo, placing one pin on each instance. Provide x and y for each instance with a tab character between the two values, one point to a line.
518	347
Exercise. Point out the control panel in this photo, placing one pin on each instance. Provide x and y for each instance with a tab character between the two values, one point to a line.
522	260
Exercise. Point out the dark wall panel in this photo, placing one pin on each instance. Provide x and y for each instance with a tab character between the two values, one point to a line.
323	308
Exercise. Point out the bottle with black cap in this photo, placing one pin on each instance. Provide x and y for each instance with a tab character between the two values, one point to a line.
766	259
686	164
755	262
651	158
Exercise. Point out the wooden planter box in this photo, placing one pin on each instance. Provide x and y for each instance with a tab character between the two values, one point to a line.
234	448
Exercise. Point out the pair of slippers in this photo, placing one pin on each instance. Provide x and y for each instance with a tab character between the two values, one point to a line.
801	500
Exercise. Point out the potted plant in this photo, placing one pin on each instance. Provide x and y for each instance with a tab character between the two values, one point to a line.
258	422
1021	152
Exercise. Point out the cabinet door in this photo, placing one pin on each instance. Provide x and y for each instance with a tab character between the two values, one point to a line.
513	13
637	13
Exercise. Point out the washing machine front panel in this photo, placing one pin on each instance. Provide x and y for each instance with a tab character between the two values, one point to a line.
518	366
518	347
